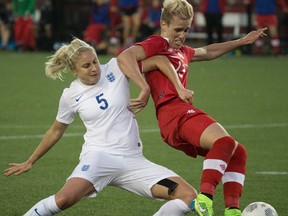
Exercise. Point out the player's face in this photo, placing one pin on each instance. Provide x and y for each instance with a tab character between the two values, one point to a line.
87	68
176	32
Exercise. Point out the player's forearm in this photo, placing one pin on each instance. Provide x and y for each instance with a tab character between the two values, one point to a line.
166	67
218	49
51	137
47	142
129	66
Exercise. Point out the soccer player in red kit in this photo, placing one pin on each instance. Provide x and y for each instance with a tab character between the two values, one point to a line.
182	125
265	15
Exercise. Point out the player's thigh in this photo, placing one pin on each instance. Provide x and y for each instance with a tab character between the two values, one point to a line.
193	128
212	133
140	175
136	19
97	167
126	21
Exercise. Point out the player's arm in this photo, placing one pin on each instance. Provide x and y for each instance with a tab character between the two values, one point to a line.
50	138
163	64
127	62
215	50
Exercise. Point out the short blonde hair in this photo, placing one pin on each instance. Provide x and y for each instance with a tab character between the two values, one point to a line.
178	8
65	57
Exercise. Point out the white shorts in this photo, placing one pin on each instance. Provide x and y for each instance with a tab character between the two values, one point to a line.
133	173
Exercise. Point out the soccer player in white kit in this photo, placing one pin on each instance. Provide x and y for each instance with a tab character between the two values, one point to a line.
112	150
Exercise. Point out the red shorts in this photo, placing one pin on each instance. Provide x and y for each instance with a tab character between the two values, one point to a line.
265	20
181	126
24	32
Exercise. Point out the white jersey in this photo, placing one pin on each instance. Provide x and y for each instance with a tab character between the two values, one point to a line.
103	110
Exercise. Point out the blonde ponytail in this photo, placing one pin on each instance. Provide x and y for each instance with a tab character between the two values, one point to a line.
64	58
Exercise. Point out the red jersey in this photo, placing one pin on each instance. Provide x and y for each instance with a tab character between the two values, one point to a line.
162	90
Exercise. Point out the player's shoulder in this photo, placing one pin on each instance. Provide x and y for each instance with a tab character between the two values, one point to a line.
110	66
111	63
74	87
111	70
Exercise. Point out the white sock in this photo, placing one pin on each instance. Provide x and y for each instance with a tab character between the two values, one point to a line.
45	207
173	208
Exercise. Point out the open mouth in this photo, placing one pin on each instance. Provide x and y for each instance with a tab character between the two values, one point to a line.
178	42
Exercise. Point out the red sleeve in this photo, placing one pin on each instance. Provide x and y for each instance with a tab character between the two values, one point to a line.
154	45
189	52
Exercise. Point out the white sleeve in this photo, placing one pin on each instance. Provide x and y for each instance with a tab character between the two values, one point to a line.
65	113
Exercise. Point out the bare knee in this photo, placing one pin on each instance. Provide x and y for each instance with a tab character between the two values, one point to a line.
186	195
65	201
184	191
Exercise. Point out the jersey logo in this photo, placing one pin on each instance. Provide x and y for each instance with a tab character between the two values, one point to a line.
111	77
85	168
36	211
161	95
170	50
203	210
77	99
223	167
190	111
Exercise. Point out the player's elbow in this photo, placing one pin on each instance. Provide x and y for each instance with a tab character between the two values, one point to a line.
122	57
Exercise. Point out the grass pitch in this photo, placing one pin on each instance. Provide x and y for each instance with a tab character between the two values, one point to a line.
247	95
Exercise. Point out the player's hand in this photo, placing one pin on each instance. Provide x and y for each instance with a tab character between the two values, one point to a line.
254	35
186	95
139	103
18	169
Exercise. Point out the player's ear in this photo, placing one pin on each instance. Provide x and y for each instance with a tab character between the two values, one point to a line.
164	25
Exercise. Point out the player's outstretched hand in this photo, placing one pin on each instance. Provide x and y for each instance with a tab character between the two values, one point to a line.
254	35
18	169
139	103
186	95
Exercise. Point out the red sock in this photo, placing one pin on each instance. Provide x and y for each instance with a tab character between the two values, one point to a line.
215	164
233	178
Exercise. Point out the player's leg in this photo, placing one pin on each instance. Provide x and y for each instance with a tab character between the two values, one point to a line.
233	181
209	27
180	195
28	35
273	31
80	183
145	178
219	28
136	22
126	28
202	131
71	193
260	22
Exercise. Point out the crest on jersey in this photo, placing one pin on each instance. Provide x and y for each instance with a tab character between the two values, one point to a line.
111	77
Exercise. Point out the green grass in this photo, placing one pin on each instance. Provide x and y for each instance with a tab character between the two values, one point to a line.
248	95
